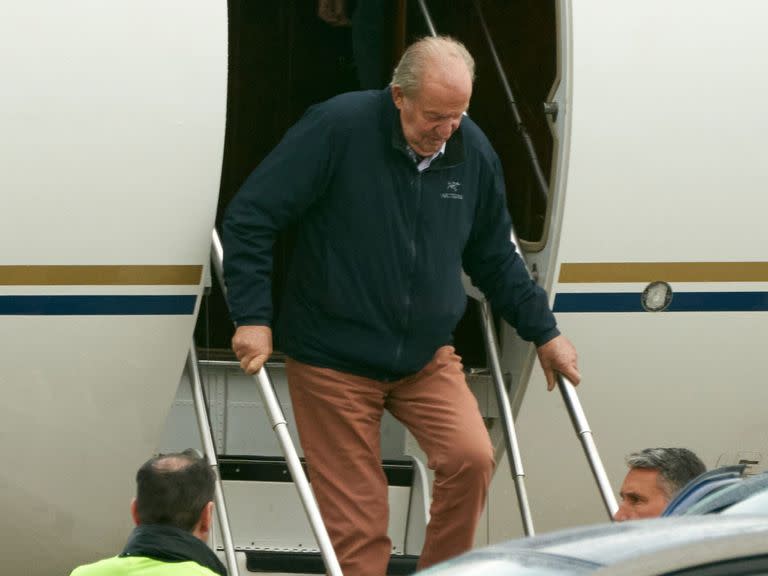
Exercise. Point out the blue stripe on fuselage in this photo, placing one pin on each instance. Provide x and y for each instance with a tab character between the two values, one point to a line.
100	305
681	302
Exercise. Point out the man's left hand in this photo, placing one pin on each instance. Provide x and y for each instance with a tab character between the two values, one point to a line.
559	355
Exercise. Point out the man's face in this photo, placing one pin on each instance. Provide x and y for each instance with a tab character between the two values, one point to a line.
433	114
641	495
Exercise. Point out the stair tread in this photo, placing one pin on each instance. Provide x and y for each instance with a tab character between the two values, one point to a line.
275	469
312	562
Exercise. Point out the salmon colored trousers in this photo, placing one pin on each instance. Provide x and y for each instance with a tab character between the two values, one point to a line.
338	416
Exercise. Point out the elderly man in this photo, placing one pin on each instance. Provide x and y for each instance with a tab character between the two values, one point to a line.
172	511
655	476
394	191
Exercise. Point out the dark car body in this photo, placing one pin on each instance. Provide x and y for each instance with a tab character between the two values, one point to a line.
709	544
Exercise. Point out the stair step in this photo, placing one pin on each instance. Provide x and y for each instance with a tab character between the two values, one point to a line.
312	562
266	515
275	469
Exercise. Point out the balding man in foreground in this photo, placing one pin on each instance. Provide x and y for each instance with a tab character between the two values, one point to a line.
395	191
173	511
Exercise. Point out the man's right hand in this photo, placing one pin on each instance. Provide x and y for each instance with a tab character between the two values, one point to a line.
252	345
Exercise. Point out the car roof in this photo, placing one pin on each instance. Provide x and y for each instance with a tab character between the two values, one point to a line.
644	546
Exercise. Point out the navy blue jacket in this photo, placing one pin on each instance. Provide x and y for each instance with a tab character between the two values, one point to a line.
375	281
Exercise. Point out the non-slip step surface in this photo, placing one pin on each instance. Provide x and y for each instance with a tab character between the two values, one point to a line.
275	469
312	563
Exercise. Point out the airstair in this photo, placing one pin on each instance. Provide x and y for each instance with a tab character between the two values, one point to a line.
267	522
262	527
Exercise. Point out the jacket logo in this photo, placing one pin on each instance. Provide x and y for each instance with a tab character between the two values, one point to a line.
452	194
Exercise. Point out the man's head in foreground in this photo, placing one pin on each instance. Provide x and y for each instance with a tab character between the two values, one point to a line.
175	490
655	476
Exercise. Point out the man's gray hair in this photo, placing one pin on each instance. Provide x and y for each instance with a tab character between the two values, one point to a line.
414	61
676	466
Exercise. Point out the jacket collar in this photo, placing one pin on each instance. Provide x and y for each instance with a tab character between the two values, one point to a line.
170	544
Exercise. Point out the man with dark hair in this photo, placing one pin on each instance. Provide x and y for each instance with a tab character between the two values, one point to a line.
173	511
655	476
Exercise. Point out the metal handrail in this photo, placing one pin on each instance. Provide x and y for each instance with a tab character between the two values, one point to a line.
541	181
505	413
203	423
584	433
280	427
427	18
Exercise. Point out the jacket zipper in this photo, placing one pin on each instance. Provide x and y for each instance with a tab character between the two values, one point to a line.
417	188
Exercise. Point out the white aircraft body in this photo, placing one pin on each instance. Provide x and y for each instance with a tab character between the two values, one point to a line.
654	253
112	119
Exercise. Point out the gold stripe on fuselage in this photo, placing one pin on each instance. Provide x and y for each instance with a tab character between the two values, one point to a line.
132	275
